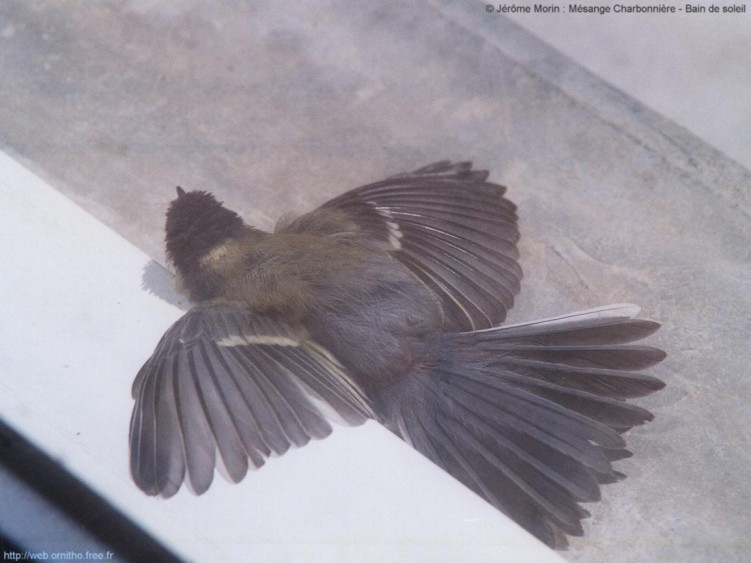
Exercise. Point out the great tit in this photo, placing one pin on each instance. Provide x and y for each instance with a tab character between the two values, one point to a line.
387	303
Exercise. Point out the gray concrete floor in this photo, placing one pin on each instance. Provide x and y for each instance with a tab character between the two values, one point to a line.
692	68
279	108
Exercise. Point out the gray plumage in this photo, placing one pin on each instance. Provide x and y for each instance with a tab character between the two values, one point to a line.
387	303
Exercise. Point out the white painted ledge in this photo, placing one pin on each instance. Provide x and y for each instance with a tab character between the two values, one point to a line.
75	328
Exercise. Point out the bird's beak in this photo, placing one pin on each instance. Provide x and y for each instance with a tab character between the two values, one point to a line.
180	192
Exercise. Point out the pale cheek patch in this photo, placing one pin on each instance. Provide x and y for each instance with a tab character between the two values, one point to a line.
216	255
395	233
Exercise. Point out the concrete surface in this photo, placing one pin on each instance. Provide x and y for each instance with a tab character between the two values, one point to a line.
278	108
694	68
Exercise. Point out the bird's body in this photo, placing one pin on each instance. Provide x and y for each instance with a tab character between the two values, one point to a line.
359	302
385	303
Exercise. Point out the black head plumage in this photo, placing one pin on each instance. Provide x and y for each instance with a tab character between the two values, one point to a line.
197	223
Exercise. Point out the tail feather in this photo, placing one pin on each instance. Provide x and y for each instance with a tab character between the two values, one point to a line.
616	384
609	330
611	412
533	408
620	356
484	459
530	416
569	439
534	456
469	467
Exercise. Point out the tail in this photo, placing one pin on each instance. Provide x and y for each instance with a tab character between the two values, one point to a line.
530	416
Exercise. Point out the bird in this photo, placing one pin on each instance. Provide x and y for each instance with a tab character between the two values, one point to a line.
387	303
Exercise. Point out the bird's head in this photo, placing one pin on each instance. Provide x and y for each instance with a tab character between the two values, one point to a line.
196	224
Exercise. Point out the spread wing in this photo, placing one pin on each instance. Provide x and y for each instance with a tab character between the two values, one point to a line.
454	230
225	387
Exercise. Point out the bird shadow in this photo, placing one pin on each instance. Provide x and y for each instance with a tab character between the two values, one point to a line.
160	282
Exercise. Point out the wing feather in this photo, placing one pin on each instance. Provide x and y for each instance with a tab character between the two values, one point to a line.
454	230
227	388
